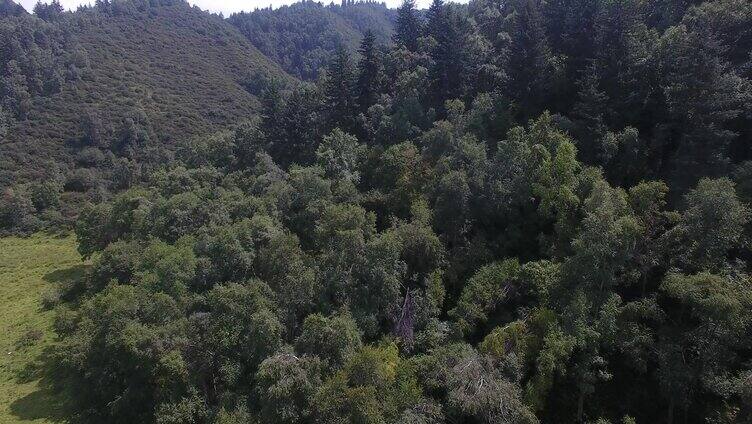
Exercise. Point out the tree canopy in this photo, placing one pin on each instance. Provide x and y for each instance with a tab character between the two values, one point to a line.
506	212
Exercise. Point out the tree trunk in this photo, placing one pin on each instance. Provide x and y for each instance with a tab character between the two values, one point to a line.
580	406
643	284
671	411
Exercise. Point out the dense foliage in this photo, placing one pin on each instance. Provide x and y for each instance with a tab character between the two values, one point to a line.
90	99
517	212
303	36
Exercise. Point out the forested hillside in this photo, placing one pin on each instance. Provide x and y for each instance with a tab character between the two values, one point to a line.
512	211
92	96
9	8
303	37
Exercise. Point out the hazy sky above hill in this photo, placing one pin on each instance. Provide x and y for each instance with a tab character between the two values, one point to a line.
225	6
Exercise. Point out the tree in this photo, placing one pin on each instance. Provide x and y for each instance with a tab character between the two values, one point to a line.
48	12
590	112
407	28
292	125
340	154
15	90
570	32
699	115
479	390
333	339
302	126
587	300
711	226
368	86
94	132
706	315
133	135
93	229
272	106
435	20
446	71
110	351
9	8
529	70
606	241
16	210
4	123
45	195
484	292
340	100
286	384
235	335
230	253
374	385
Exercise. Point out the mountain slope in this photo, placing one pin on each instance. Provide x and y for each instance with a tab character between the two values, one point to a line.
301	37
181	67
9	8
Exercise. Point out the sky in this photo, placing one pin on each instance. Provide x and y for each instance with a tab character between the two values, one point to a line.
225	6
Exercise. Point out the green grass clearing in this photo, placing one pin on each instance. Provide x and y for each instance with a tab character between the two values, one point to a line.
29	267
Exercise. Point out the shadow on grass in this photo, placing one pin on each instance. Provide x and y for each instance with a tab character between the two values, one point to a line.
69	284
51	401
67	276
58	233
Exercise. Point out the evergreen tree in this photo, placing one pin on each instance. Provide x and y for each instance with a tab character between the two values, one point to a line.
339	92
301	125
447	67
569	29
589	113
529	65
613	29
436	20
407	28
369	72
272	105
49	12
4	123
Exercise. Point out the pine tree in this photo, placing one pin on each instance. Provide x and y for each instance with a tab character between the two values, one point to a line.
570	32
448	55
589	113
301	124
49	12
614	26
4	123
369	69
339	92
436	17
437	29
407	28
272	106
528	67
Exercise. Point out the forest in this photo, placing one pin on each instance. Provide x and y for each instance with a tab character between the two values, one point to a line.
504	211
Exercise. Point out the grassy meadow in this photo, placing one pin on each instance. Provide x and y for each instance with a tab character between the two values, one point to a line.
29	268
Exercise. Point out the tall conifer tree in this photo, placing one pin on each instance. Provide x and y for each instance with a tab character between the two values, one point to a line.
339	92
529	63
448	55
369	69
436	19
407	28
